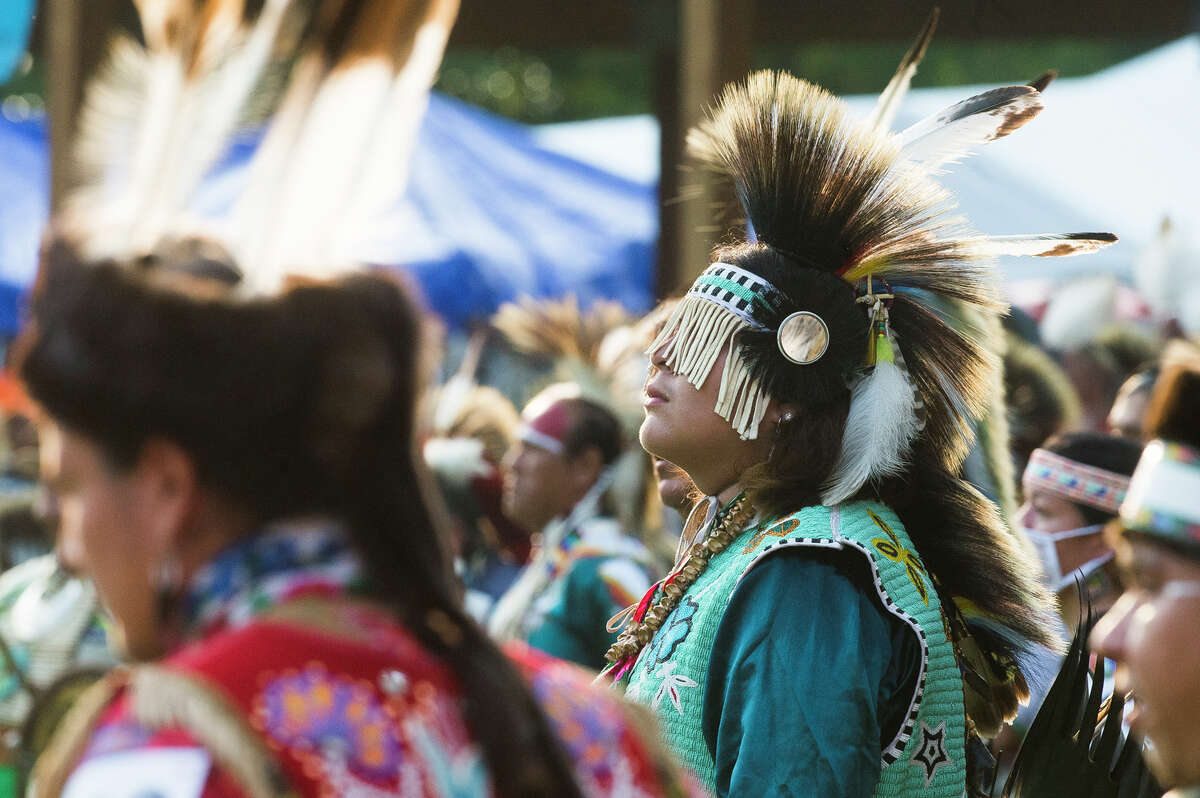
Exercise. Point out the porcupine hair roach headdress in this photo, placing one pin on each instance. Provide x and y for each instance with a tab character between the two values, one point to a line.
855	280
858	238
344	83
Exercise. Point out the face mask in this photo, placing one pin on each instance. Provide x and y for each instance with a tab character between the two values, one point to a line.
1046	544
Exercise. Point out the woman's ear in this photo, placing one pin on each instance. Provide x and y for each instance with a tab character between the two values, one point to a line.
781	412
165	490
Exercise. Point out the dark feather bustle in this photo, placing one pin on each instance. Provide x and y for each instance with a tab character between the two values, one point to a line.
1075	747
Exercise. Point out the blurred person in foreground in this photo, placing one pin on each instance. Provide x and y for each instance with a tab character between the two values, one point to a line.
295	586
1152	630
814	637
235	465
584	568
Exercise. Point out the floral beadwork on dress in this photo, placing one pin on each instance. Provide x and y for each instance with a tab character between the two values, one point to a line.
589	729
674	631
408	740
312	710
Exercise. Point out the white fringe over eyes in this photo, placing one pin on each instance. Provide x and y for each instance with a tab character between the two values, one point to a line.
692	341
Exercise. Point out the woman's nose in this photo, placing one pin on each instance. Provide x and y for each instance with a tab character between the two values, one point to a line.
1108	638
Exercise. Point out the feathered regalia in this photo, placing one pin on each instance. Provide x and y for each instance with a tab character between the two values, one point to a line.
1076	745
865	281
344	84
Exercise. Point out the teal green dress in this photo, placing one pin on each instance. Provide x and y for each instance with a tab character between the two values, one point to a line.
833	625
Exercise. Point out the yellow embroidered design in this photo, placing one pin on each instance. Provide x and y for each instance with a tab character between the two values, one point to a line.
777	531
892	549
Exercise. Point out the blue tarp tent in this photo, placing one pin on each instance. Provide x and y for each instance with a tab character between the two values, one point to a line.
24	205
489	215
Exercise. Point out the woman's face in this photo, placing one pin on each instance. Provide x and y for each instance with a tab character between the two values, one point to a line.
1045	511
682	426
1048	512
103	533
1151	633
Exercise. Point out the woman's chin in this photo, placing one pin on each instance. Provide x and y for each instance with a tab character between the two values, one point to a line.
655	437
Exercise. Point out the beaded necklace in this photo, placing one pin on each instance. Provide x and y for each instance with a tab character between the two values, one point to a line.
644	620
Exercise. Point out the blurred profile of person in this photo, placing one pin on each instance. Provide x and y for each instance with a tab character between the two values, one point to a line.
1129	408
585	568
1099	367
234	454
295	586
1152	630
1073	485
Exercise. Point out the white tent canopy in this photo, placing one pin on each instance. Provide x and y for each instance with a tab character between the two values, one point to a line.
1115	151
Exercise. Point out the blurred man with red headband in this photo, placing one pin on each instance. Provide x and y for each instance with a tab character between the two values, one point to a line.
585	568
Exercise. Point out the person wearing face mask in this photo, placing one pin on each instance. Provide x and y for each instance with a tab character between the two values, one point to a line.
1073	486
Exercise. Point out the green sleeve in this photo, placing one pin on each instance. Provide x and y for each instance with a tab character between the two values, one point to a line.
809	678
594	590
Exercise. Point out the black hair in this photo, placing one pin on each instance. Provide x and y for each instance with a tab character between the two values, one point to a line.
1109	452
1174	412
297	405
591	425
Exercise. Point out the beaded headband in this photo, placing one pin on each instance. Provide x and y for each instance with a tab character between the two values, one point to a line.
1162	500
1077	482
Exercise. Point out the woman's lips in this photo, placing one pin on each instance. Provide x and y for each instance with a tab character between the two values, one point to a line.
653	397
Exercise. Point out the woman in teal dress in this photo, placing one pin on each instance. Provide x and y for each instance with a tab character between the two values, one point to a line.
846	612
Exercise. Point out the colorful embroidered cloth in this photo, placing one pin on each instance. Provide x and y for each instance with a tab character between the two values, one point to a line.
573	587
259	571
347	701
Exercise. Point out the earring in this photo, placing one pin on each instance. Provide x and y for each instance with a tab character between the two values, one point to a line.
167	581
783	419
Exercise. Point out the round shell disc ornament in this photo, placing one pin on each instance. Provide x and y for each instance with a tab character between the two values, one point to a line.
803	337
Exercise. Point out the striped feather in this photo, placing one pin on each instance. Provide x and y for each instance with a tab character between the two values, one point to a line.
1048	245
893	95
955	132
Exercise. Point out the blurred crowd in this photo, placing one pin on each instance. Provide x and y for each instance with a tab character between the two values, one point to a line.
832	522
560	520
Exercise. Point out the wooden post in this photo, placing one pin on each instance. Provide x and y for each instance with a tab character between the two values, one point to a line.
714	48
